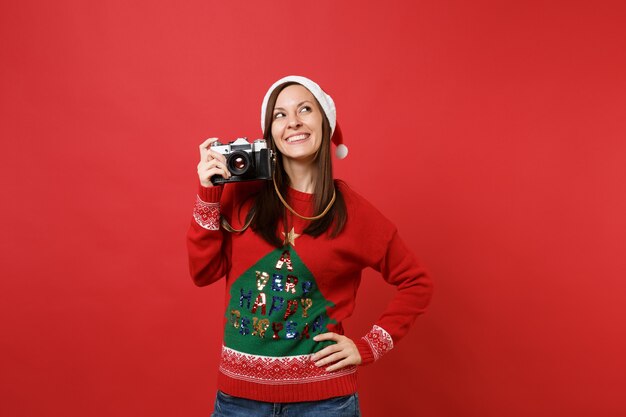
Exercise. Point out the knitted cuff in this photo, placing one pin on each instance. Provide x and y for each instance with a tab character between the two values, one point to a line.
206	212
210	194
374	345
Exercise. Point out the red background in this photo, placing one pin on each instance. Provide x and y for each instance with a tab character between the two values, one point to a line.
492	133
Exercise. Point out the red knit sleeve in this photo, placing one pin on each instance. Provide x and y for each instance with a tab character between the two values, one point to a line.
207	244
400	268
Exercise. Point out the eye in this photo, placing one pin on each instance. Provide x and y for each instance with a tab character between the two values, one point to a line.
279	115
305	109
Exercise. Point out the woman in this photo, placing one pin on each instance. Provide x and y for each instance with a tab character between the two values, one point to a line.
292	250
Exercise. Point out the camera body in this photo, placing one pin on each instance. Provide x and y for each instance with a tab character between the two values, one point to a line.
246	161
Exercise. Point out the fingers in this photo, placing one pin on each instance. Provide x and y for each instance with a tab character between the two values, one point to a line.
204	148
206	154
219	163
206	170
341	354
211	163
327	336
331	358
214	155
328	350
342	364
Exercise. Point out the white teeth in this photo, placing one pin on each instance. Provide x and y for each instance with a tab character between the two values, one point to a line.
297	138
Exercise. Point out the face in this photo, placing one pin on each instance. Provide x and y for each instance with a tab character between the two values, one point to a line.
297	123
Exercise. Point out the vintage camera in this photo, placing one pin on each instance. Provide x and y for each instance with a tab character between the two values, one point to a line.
246	161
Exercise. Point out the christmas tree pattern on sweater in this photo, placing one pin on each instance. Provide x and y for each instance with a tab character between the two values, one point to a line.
275	308
274	312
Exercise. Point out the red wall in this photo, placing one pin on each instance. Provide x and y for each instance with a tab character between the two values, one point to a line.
492	133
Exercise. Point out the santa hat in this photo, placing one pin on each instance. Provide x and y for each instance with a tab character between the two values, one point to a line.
325	101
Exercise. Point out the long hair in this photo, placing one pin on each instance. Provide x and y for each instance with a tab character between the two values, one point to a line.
267	208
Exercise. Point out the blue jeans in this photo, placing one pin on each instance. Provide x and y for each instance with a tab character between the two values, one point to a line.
229	406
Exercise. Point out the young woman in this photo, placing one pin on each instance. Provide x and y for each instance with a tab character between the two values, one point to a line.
292	250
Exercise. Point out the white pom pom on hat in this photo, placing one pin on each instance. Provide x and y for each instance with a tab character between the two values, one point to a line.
341	151
325	101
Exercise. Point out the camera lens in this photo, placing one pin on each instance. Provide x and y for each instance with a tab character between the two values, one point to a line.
239	163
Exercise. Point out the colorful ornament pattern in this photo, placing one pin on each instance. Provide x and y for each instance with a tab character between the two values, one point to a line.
275	370
207	215
379	340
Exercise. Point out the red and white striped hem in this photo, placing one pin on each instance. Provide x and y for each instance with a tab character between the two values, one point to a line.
275	370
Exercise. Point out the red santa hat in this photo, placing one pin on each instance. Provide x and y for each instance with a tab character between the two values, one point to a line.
325	101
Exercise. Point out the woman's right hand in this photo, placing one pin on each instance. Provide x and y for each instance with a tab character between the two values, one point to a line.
211	163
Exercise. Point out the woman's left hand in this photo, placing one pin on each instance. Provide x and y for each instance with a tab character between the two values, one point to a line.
343	353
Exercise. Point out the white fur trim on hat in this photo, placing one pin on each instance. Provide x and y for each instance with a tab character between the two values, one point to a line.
327	103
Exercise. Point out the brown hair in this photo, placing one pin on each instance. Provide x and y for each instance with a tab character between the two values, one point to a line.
267	208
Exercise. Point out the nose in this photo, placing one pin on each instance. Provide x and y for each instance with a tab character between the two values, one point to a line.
294	121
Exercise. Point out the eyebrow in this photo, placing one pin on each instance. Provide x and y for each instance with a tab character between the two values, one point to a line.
299	104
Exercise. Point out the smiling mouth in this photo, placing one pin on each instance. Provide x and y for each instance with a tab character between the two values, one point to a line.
298	138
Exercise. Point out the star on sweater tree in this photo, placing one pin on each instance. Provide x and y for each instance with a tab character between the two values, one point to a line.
291	237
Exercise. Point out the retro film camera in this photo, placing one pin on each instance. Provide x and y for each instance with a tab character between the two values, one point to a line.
246	161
